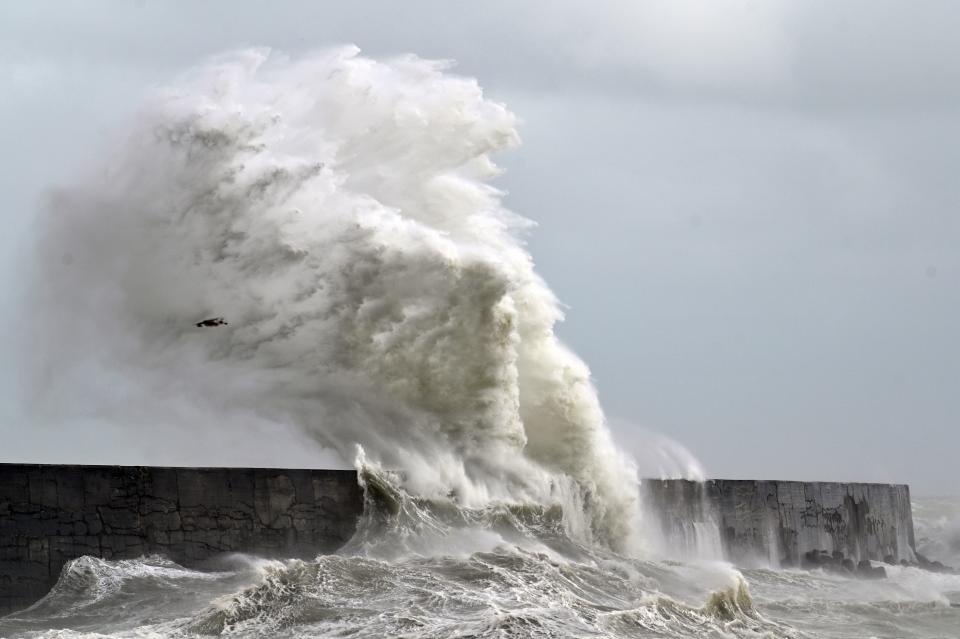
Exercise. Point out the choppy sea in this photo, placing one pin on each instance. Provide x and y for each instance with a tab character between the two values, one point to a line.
511	573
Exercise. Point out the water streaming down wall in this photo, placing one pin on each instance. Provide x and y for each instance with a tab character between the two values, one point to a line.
777	522
684	523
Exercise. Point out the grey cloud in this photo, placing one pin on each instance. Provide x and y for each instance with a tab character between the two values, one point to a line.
751	212
855	55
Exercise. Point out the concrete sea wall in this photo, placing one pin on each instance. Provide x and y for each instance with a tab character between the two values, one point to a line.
786	522
51	514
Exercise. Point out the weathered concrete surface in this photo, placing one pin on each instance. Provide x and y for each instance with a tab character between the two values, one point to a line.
51	514
782	521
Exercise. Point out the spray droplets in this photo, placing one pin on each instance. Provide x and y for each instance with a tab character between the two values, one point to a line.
336	210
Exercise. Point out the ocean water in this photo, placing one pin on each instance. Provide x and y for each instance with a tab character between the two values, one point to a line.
378	297
936	523
430	570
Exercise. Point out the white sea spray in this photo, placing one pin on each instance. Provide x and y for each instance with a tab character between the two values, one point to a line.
337	212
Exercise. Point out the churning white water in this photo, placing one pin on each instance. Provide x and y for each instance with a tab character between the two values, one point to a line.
336	211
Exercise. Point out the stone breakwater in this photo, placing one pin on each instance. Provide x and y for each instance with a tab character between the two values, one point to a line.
52	514
787	523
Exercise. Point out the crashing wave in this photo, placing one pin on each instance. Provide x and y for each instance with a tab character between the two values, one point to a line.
401	576
336	211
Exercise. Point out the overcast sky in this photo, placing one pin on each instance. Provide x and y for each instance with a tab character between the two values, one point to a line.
751	209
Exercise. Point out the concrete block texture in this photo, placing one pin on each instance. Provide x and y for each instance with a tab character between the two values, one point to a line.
52	514
779	522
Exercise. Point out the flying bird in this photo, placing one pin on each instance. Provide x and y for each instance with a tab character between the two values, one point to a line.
213	321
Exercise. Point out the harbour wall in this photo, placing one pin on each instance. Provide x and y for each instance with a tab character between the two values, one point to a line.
51	514
783	523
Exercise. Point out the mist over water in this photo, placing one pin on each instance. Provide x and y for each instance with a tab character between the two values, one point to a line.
937	524
337	212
